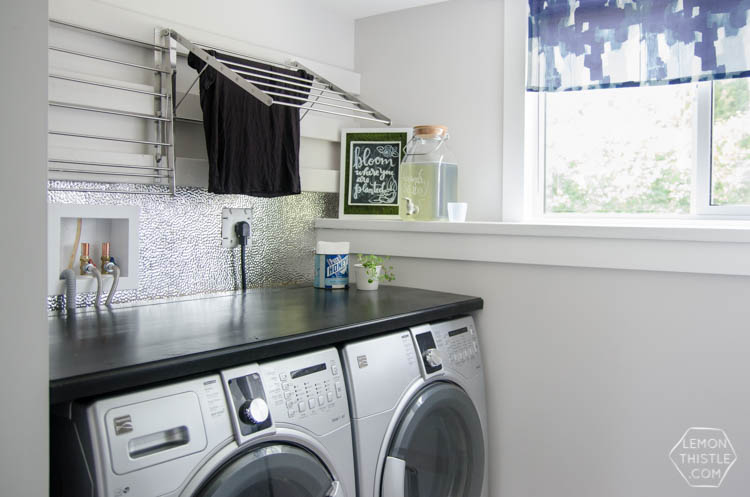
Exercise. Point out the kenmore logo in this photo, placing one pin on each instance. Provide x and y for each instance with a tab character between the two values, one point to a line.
123	424
362	361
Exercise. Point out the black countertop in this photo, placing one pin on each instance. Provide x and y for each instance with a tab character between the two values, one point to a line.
94	353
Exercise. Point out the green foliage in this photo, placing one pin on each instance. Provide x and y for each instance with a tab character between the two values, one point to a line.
371	263
658	195
730	168
731	97
631	151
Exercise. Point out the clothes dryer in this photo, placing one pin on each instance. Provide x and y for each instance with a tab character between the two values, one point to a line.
419	412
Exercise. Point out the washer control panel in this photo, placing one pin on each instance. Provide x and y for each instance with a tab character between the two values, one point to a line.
248	401
308	390
458	344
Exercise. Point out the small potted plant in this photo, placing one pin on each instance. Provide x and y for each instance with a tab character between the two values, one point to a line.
371	271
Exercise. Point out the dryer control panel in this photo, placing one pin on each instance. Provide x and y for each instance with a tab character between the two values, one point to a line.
458	344
432	359
308	390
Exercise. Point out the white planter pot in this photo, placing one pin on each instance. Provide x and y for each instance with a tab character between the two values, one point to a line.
362	278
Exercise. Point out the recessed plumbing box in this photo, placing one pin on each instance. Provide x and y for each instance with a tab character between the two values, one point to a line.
229	217
115	224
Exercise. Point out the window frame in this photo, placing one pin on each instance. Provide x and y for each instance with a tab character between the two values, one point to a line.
700	205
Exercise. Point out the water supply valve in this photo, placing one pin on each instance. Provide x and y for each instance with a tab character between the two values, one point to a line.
105	258
85	259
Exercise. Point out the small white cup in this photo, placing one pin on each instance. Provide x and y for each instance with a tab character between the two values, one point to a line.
457	211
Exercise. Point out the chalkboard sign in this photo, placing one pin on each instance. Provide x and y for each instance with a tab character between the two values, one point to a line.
370	160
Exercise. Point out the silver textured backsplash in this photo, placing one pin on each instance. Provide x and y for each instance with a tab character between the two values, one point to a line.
180	240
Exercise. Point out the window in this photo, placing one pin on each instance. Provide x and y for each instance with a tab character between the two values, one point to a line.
671	150
730	144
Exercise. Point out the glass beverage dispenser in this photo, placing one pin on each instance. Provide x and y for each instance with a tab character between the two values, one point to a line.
428	177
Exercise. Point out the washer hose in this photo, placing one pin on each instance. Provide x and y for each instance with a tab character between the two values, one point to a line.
98	277
116	279
70	289
75	243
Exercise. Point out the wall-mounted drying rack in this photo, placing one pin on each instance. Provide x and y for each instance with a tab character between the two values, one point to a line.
309	95
162	170
315	94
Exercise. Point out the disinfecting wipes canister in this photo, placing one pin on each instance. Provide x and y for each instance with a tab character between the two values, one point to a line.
332	265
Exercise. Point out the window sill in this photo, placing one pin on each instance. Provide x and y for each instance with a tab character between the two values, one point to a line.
710	247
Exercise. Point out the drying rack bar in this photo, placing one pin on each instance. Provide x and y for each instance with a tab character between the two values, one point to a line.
188	120
109	138
109	164
105	59
325	111
106	34
106	85
306	100
87	108
301	92
94	190
106	173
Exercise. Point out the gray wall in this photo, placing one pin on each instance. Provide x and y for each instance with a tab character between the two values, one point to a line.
593	375
23	334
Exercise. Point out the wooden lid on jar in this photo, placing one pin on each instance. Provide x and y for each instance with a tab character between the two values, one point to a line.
431	130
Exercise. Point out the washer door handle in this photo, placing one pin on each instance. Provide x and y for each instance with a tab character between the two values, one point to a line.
393	477
335	489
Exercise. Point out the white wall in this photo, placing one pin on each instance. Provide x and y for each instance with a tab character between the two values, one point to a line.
296	27
442	64
23	333
593	375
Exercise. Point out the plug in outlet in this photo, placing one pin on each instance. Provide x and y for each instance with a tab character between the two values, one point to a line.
229	217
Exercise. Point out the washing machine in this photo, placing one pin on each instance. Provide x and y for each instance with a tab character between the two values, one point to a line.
279	428
418	411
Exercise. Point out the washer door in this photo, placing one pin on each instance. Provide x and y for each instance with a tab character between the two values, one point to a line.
271	471
438	447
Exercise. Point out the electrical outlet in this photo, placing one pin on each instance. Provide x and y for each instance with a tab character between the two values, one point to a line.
229	217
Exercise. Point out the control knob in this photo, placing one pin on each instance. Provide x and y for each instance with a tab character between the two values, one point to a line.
253	412
432	358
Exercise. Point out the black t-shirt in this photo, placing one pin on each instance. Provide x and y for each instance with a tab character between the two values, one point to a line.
253	149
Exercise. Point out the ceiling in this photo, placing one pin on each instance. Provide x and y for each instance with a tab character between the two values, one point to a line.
356	9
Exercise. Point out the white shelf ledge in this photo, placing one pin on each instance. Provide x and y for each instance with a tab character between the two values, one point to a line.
711	247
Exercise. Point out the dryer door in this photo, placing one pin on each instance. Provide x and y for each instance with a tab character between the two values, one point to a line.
438	447
278	470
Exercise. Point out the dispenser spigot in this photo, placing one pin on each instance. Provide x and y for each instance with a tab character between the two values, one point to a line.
412	209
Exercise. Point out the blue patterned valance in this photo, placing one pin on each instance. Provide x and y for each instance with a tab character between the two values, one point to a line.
583	44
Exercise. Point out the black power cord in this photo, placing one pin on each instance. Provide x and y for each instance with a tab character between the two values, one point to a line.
242	230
